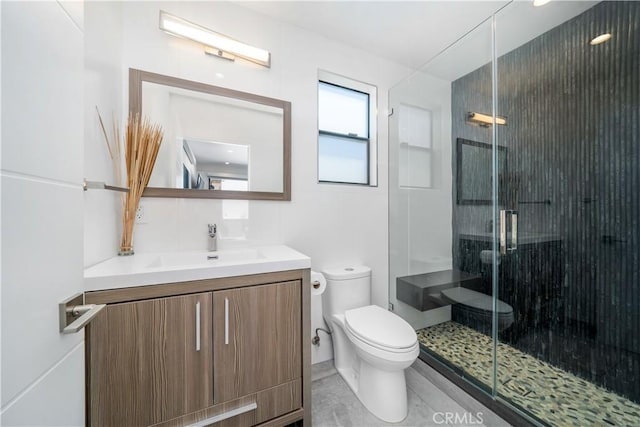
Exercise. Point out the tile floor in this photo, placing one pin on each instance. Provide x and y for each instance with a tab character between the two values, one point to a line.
335	405
549	393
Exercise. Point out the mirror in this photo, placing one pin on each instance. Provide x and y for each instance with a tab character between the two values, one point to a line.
218	143
474	171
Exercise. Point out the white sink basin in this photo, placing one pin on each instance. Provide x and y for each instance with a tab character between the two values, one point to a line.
173	267
205	259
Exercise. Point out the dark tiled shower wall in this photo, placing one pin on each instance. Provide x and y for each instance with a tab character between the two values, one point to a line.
573	138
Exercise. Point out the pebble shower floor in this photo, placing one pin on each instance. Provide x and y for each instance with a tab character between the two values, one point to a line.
550	394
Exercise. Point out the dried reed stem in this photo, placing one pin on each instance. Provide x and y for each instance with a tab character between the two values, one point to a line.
141	150
142	143
113	146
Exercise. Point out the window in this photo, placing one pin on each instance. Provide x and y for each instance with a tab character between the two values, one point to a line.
347	151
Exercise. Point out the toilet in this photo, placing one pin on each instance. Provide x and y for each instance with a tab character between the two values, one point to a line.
372	346
475	309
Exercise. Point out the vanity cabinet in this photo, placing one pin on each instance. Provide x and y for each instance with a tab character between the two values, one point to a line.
226	352
150	360
256	339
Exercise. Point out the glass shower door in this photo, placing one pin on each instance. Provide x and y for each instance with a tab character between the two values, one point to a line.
431	266
568	282
514	195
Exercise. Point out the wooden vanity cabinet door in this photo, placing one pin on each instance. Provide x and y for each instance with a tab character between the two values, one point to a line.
256	338
144	363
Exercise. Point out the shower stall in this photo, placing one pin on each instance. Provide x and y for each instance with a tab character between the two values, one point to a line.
514	216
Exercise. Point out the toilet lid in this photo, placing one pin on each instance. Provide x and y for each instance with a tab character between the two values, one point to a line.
475	300
380	327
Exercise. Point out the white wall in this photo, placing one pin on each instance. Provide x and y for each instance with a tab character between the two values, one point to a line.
42	249
333	224
102	89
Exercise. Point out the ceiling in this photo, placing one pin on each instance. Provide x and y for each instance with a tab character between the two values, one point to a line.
407	32
516	25
413	32
219	152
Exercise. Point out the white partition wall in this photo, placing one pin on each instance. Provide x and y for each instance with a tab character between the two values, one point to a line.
42	211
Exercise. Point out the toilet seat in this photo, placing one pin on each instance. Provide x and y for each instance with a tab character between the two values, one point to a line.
380	328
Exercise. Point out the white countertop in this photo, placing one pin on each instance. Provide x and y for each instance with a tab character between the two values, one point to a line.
170	267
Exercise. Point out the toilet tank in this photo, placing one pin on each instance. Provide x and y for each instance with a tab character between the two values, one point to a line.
347	287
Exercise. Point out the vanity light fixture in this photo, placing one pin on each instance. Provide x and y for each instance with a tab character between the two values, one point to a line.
600	39
484	120
216	44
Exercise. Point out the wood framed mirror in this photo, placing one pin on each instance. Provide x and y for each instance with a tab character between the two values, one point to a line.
218	143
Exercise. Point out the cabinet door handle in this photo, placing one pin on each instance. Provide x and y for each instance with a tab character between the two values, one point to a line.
226	320
198	326
226	415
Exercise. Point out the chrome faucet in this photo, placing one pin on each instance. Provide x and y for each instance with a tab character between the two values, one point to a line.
213	237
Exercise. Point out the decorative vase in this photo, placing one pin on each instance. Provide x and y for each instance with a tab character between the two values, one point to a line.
129	208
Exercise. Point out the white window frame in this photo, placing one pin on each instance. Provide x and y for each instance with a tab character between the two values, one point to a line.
372	91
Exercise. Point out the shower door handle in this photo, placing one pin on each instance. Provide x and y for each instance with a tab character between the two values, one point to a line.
503	232
508	243
514	232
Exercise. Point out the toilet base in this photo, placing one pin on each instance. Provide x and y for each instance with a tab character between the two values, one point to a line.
383	393
375	376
